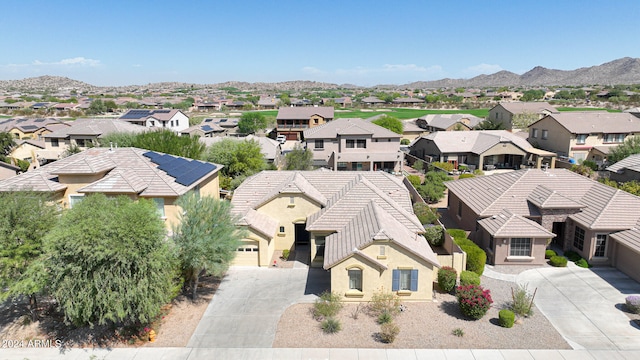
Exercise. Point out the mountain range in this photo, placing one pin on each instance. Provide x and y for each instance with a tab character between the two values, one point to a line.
622	71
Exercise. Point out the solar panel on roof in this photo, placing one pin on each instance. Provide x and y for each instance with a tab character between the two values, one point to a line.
38	120
184	172
162	111
223	120
207	128
200	170
208	120
30	127
169	166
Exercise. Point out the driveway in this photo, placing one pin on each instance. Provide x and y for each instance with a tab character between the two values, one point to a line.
247	306
586	305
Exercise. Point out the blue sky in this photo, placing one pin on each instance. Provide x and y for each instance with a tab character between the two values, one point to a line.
359	42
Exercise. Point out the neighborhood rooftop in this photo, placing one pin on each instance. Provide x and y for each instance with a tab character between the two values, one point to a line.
304	112
348	126
588	122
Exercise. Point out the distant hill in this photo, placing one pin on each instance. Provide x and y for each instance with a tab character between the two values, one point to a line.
618	72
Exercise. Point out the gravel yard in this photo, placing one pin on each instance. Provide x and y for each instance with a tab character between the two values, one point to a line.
424	325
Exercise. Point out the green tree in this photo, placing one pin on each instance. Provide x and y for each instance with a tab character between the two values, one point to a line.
630	146
7	143
250	122
531	95
206	237
489	125
110	105
25	218
299	159
391	123
524	119
119	139
109	262
168	142
240	158
96	107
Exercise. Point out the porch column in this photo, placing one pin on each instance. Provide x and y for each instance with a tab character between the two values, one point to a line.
539	162
552	165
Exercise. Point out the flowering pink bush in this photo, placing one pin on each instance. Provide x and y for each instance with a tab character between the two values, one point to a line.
473	300
633	303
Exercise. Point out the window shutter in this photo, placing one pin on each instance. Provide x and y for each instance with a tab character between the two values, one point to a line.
414	280
395	283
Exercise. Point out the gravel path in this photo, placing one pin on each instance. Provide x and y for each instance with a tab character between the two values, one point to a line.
425	325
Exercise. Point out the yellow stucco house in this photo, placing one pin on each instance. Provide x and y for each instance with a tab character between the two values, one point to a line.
132	172
360	226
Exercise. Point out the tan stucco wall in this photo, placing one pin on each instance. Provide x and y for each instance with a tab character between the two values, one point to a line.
287	214
265	245
558	138
626	260
25	152
501	254
500	115
375	279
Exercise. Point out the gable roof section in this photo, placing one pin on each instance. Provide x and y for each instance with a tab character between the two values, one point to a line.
142	115
444	121
509	225
304	112
32	180
95	127
631	162
545	198
594	122
630	238
348	126
261	223
117	182
518	107
295	184
474	141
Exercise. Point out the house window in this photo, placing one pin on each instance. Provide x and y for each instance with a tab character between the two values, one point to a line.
320	241
281	229
319	144
545	134
292	200
601	245
355	279
80	142
613	138
75	199
578	238
153	123
55	143
581	139
534	133
361	144
383	250
159	206
520	247
171	123
351	143
404	280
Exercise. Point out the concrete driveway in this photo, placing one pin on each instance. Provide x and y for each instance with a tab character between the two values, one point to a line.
247	306
586	305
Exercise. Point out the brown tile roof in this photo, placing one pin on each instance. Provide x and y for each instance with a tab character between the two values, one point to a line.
545	198
304	112
631	162
630	238
348	126
507	225
590	122
518	107
27	124
95	127
475	142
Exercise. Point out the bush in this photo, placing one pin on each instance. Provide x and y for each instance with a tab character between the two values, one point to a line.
474	301
549	253
478	172
582	263
384	318
572	255
590	164
286	253
405	142
434	235
443	165
425	214
476	258
469	278
331	326
388	332
447	278
457	234
382	302
466	176
506	318
558	261
633	303
327	305
414	180
522	301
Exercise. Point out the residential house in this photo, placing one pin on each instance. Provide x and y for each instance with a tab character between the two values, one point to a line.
627	169
83	134
448	122
583	135
354	144
486	149
292	121
340	102
408	101
371	101
174	119
132	172
30	128
8	170
27	149
203	130
410	130
359	226
506	112
267	102
515	215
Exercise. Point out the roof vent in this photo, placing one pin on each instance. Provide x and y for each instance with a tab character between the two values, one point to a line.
494	217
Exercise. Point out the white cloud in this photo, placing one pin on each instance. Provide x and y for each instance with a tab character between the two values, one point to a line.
480	69
64	63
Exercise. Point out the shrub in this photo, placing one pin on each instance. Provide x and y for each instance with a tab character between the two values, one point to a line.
434	235
418	165
458	332
382	302
447	278
549	253
469	278
384	318
590	164
327	305
388	332
414	180
558	261
582	263
466	176
425	214
474	301
286	253
405	142
443	165
572	255
633	303
457	234
506	318
331	326
476	258
522	301
478	172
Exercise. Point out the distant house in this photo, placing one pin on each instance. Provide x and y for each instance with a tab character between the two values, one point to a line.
359	226
408	101
83	134
505	112
627	169
515	215
203	130
29	128
133	172
354	144
410	130
371	101
174	119
583	135
486	149
267	102
292	121
27	149
448	122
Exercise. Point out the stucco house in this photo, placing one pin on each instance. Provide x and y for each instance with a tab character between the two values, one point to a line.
506	112
133	172
359	226
30	128
171	119
292	121
627	169
448	122
486	149
583	135
354	144
515	215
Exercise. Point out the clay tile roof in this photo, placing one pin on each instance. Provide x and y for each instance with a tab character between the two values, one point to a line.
507	225
304	112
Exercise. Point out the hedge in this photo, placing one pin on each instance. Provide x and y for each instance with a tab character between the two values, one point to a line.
558	261
447	278
549	253
469	278
476	257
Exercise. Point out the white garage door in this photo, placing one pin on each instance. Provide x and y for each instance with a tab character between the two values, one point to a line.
247	255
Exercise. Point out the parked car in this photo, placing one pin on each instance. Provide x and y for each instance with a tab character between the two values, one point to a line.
281	139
